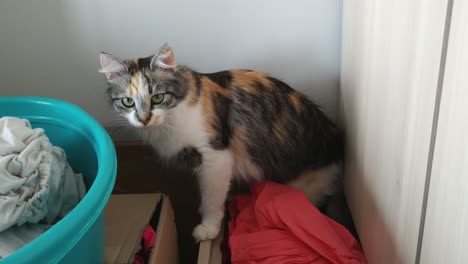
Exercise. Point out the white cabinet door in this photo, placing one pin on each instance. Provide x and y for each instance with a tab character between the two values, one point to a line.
391	57
445	237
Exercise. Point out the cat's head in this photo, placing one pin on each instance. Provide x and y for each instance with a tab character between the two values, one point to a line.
144	90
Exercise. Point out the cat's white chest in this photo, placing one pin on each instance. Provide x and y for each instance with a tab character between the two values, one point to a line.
184	128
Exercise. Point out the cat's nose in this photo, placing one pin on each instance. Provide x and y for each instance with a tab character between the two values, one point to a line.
145	121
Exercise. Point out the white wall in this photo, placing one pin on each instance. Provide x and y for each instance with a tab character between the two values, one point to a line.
51	48
446	230
391	63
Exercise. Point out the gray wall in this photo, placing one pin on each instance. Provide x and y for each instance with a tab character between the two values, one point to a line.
51	48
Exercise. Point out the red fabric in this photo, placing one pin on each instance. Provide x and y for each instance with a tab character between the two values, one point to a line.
147	243
277	224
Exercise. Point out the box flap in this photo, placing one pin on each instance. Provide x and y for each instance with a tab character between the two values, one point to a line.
165	249
126	216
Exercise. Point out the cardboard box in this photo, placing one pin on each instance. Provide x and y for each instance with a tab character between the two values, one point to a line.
210	250
126	217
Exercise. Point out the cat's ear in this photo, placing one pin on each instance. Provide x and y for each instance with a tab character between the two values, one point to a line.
164	58
112	66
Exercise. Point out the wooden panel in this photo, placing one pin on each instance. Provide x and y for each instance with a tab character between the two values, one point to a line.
445	237
210	250
390	65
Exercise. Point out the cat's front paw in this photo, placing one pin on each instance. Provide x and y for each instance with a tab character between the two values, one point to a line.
205	232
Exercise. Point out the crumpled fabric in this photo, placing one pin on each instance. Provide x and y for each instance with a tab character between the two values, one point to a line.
16	237
147	244
277	224
36	182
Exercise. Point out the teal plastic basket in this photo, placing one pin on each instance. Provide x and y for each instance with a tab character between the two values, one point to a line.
79	237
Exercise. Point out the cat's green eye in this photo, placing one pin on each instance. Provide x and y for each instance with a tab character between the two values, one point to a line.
157	99
128	102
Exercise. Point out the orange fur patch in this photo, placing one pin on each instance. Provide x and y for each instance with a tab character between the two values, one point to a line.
245	80
132	63
133	84
210	90
192	86
209	115
155	119
210	86
295	100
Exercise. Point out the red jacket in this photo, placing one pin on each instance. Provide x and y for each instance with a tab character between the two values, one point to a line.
277	224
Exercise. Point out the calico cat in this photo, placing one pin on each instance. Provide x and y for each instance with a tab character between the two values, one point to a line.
226	125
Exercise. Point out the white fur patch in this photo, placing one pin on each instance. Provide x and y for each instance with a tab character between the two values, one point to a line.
181	127
133	120
214	176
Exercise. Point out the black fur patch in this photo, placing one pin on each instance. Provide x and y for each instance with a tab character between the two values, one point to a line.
176	87
188	157
138	65
281	86
197	78
222	78
132	68
312	141
222	108
144	63
150	85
